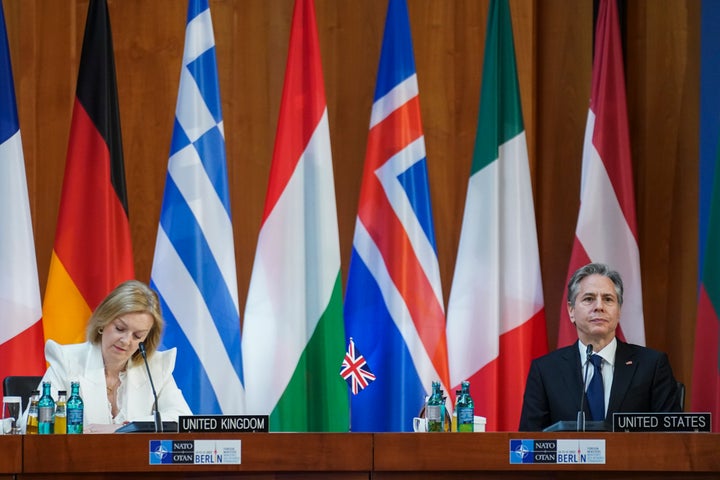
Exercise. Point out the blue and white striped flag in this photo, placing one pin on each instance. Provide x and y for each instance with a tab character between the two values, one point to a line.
194	266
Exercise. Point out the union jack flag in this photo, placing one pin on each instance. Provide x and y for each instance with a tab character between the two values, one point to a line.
355	369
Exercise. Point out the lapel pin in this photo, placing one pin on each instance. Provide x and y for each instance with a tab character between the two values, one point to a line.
629	362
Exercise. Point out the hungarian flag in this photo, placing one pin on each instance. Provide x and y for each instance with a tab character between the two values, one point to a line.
21	333
394	302
193	268
496	315
293	338
92	252
706	370
606	230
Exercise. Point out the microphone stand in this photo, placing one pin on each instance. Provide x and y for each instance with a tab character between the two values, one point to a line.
581	413
158	420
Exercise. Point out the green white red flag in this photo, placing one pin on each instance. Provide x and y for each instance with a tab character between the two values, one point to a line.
496	315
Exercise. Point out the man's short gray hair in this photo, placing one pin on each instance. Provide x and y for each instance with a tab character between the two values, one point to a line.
593	269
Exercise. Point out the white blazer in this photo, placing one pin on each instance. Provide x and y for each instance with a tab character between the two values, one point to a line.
83	362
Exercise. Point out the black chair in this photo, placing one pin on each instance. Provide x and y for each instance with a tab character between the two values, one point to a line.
21	386
681	395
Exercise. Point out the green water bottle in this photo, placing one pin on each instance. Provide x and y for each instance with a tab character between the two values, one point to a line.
435	411
465	409
75	409
46	411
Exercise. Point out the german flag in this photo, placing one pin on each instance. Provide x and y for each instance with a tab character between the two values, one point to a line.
92	253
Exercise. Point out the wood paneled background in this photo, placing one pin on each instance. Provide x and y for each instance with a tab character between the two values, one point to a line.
553	46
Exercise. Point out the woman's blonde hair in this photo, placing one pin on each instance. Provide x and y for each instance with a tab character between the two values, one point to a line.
131	296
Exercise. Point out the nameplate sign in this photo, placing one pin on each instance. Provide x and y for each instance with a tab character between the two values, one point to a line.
662	422
223	423
195	452
559	451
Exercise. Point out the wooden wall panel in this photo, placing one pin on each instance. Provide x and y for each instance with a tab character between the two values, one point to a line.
563	96
553	43
663	105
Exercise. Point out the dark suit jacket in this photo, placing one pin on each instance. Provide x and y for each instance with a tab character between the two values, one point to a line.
642	382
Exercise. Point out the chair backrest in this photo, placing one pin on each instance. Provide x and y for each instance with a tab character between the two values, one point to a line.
22	386
681	395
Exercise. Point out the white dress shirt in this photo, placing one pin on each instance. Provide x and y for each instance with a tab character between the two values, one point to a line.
607	369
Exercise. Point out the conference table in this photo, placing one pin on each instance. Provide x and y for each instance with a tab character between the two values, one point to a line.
10	455
358	456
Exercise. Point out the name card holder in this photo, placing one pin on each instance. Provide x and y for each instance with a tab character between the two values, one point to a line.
223	423
662	422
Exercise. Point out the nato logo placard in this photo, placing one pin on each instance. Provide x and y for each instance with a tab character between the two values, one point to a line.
161	452
590	450
521	451
226	452
171	451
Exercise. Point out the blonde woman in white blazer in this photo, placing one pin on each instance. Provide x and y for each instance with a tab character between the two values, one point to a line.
113	379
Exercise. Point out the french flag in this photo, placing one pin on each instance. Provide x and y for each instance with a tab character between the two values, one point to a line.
21	330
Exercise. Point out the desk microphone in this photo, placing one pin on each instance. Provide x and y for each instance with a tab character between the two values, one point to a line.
581	413
158	421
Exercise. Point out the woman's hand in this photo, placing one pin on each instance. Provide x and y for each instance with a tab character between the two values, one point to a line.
101	428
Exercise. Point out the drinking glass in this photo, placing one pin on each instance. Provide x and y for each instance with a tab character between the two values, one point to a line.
11	414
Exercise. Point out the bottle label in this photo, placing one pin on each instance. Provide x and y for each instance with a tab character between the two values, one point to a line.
74	416
45	414
433	413
465	415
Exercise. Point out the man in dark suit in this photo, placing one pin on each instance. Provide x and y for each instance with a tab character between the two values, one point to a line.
634	378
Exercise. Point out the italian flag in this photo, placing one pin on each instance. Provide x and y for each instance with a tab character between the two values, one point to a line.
293	335
496	315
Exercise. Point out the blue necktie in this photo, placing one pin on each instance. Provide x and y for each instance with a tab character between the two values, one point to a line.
595	394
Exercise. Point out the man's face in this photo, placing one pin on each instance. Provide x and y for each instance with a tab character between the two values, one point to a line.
596	312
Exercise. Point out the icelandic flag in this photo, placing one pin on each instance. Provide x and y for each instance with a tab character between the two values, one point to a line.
194	266
394	302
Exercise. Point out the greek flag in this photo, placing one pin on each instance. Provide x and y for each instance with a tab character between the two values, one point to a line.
194	265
